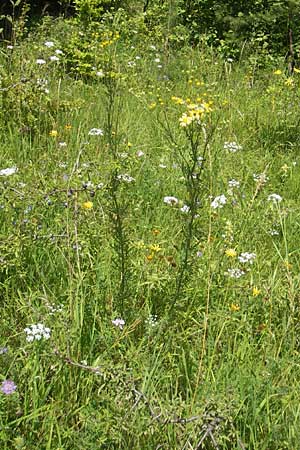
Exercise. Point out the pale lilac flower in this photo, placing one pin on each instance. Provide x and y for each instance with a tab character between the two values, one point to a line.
9	171
8	387
118	323
275	198
219	202
3	350
247	257
169	200
96	132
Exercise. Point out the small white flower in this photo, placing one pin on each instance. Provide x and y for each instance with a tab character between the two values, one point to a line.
151	321
219	202
62	144
10	47
40	61
131	64
96	132
139	153
8	171
125	177
235	273
273	232
170	200
100	73
274	198
162	166
49	44
247	257
118	323
232	147
54	58
152	47
157	60
59	52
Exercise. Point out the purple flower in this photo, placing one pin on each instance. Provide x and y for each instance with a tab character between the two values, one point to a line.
118	323
8	387
3	350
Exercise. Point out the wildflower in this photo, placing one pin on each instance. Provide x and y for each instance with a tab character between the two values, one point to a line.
235	273
87	205
295	69
232	147
185	209
95	132
125	177
260	178
3	350
62	144
219	202
150	256
255	292
53	133
118	323
171	200
233	183
9	171
37	332
59	52
289	82
277	72
10	47
151	321
40	61
275	198
139	153
49	44
273	232
247	257
155	248
199	254
54	58
234	307
100	73
155	231
185	120
230	252
8	387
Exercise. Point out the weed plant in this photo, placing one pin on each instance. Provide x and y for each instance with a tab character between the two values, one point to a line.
149	245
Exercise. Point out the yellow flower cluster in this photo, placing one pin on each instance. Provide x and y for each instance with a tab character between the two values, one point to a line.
195	113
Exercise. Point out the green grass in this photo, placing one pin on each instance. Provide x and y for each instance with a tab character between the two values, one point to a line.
222	354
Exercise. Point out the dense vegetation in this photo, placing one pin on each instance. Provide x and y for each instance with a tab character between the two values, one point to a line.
149	229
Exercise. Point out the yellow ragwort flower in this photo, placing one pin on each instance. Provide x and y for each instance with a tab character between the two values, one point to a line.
230	252
234	307
53	133
87	205
256	292
277	72
155	248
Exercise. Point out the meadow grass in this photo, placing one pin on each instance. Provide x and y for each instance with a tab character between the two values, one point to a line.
160	257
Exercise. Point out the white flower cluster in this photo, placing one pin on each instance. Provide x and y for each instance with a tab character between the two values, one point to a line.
247	257
233	183
219	202
36	332
235	273
96	132
9	171
125	177
151	321
232	147
170	200
274	198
